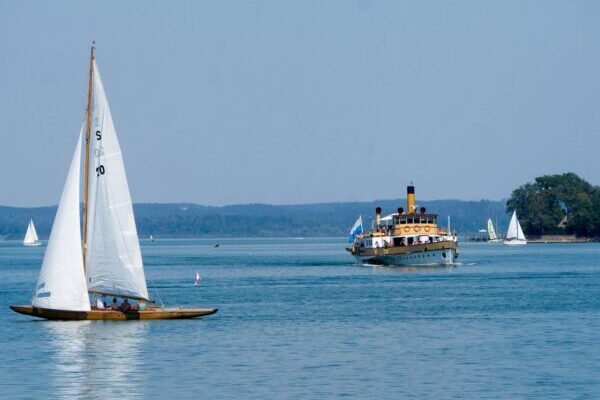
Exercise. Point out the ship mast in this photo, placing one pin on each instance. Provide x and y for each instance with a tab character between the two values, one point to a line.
87	155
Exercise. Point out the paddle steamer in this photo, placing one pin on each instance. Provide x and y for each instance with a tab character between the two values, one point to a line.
411	238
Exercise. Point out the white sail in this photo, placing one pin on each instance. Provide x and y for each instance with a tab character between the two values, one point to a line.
514	229
61	283
31	236
491	230
520	234
113	258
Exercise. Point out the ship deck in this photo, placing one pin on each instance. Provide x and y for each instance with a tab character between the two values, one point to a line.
398	250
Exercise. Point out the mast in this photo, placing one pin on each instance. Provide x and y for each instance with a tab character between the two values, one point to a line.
87	154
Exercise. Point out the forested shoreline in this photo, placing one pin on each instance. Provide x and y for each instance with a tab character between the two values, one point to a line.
261	220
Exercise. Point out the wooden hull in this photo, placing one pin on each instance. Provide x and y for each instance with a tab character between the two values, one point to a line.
110	315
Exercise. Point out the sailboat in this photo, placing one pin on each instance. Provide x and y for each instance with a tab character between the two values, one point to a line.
515	235
108	260
31	237
493	238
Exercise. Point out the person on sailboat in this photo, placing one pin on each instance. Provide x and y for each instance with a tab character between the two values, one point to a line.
114	305
99	304
125	306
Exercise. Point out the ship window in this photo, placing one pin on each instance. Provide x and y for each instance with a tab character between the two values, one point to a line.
409	220
410	240
403	221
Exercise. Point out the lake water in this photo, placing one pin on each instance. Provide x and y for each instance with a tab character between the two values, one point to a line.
299	319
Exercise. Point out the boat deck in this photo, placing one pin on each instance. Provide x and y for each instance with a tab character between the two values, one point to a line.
396	250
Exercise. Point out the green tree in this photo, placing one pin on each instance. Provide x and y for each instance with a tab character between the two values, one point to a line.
543	204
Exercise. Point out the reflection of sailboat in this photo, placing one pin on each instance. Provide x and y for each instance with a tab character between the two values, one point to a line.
31	237
108	261
493	238
76	369
515	235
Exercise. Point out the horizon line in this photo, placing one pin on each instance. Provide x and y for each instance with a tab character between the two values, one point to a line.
272	204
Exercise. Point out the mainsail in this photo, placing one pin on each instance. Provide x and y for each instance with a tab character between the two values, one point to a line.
514	229
113	259
31	236
491	230
61	283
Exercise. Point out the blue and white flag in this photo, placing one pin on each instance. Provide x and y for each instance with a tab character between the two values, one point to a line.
356	229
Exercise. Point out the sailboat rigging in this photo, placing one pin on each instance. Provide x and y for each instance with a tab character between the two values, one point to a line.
107	260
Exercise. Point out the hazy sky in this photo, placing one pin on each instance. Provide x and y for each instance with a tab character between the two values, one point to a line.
220	102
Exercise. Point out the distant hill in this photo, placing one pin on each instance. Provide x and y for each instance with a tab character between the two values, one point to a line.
321	219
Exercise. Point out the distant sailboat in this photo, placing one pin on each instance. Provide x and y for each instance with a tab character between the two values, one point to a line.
493	238
108	260
515	235
31	237
198	279
151	238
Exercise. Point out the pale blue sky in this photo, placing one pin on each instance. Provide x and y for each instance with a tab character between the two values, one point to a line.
308	101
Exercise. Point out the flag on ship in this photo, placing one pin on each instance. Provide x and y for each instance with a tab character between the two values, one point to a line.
356	229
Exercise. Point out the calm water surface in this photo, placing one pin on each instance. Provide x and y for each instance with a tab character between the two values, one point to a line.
299	319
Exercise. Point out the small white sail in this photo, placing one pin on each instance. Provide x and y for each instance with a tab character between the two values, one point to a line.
61	283
31	237
520	234
198	279
113	257
512	227
491	230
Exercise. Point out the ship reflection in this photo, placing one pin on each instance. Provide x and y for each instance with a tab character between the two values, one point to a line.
97	359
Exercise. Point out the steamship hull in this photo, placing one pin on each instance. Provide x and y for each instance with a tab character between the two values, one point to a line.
439	253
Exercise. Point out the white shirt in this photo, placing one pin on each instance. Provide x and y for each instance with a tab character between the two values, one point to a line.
99	304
